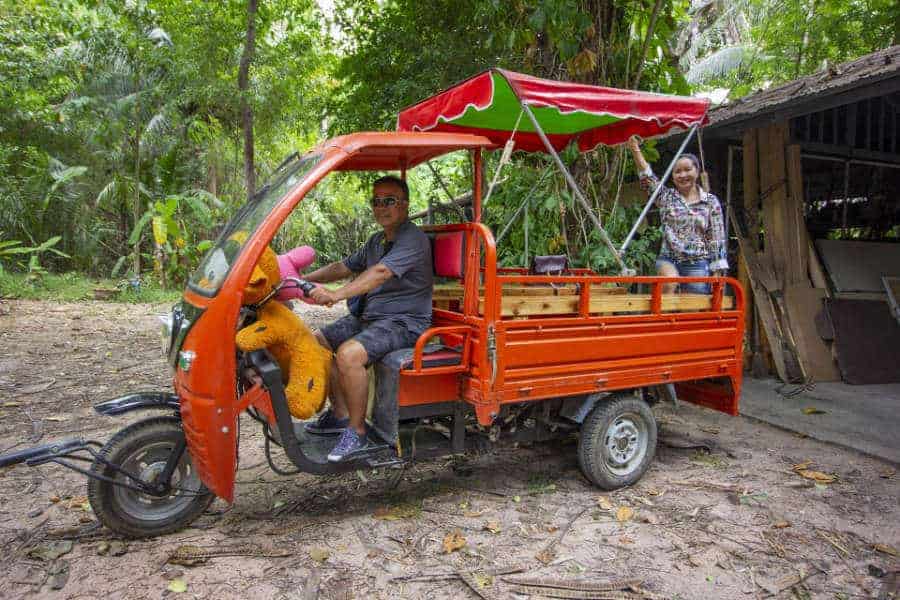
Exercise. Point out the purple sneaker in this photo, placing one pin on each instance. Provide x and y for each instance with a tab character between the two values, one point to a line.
350	444
327	424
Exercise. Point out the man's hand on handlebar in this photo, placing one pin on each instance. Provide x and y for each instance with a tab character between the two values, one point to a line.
320	295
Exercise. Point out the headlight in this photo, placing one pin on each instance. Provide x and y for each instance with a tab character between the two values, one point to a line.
166	332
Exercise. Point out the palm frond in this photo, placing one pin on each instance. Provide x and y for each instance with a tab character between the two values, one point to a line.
720	63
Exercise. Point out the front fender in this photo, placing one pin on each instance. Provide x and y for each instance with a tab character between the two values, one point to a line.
140	401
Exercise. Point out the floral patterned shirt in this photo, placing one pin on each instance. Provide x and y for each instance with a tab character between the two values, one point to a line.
690	231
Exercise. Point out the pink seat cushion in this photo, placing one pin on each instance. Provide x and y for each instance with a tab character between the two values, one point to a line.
449	255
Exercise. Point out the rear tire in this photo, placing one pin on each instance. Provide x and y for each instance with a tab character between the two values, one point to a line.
142	449
617	442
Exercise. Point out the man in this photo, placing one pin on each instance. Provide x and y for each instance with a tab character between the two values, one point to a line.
395	281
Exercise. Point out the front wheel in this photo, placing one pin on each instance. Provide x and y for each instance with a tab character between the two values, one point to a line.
617	442
141	450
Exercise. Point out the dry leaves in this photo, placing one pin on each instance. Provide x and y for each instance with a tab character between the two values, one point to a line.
453	541
885	549
177	586
492	526
604	503
780	525
624	514
803	470
319	555
812	410
395	513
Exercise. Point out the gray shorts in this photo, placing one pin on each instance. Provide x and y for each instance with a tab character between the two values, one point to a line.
378	337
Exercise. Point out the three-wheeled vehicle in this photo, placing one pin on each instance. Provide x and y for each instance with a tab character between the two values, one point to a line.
512	355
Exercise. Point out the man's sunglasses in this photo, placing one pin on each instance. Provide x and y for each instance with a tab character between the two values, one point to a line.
384	201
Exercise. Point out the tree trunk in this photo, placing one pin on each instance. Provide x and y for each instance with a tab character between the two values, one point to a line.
136	208
246	109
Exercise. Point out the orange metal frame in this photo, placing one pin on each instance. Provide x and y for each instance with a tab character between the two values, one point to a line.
504	360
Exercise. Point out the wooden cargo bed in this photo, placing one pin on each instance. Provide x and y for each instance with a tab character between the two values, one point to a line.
528	300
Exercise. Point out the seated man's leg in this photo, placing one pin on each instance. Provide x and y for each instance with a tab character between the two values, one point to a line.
351	360
335	419
353	357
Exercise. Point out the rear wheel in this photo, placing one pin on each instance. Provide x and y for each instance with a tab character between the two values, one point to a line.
617	442
142	449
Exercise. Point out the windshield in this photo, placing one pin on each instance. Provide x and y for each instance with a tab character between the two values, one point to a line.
217	263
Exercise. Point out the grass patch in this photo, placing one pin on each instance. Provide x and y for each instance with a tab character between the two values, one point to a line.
70	287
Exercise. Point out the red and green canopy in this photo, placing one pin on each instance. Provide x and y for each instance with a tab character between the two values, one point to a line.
490	104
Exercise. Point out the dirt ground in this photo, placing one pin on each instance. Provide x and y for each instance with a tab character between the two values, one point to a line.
723	513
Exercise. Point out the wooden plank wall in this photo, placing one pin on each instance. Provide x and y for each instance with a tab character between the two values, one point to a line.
779	268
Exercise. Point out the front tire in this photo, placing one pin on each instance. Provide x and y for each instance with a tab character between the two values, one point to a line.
142	449
617	442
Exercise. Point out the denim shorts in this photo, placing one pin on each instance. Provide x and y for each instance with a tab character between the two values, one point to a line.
379	337
688	268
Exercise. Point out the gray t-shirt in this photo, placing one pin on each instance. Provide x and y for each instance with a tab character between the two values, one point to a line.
407	295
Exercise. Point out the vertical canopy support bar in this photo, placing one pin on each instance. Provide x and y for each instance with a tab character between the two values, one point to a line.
658	189
477	184
572	184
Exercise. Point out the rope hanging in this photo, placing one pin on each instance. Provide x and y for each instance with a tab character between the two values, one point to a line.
704	176
504	158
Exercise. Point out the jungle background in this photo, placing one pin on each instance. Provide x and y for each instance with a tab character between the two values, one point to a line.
131	130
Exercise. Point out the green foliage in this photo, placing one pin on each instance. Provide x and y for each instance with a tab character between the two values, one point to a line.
123	118
73	286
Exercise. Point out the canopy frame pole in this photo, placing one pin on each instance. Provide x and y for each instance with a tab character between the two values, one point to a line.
477	184
578	194
658	189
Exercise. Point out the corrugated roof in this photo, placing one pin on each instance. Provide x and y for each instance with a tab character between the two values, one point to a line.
868	69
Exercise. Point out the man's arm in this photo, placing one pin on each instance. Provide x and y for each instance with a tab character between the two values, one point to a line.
328	273
367	281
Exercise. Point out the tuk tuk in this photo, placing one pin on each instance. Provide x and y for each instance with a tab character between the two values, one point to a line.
512	355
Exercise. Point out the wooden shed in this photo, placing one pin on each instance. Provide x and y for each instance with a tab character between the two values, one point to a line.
809	173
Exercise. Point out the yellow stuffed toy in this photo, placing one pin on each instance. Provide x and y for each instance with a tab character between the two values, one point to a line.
304	363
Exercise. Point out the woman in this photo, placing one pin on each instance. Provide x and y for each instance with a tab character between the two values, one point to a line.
692	226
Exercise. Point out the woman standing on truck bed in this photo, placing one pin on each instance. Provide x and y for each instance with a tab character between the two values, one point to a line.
693	229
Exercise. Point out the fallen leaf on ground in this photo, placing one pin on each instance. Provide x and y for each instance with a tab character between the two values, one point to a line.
395	513
51	550
471	514
817	476
887	473
546	556
55	418
102	548
117	548
712	430
11	404
780	524
517	498
624	514
604	503
483	580
492	526
804	465
644	501
453	541
319	554
812	410
885	549
654	492
177	586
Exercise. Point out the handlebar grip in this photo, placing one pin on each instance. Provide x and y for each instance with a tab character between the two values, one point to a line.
306	287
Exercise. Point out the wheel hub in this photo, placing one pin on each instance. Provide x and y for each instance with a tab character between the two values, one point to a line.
623	442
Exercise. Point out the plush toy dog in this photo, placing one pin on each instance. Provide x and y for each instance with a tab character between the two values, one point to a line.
304	363
292	264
